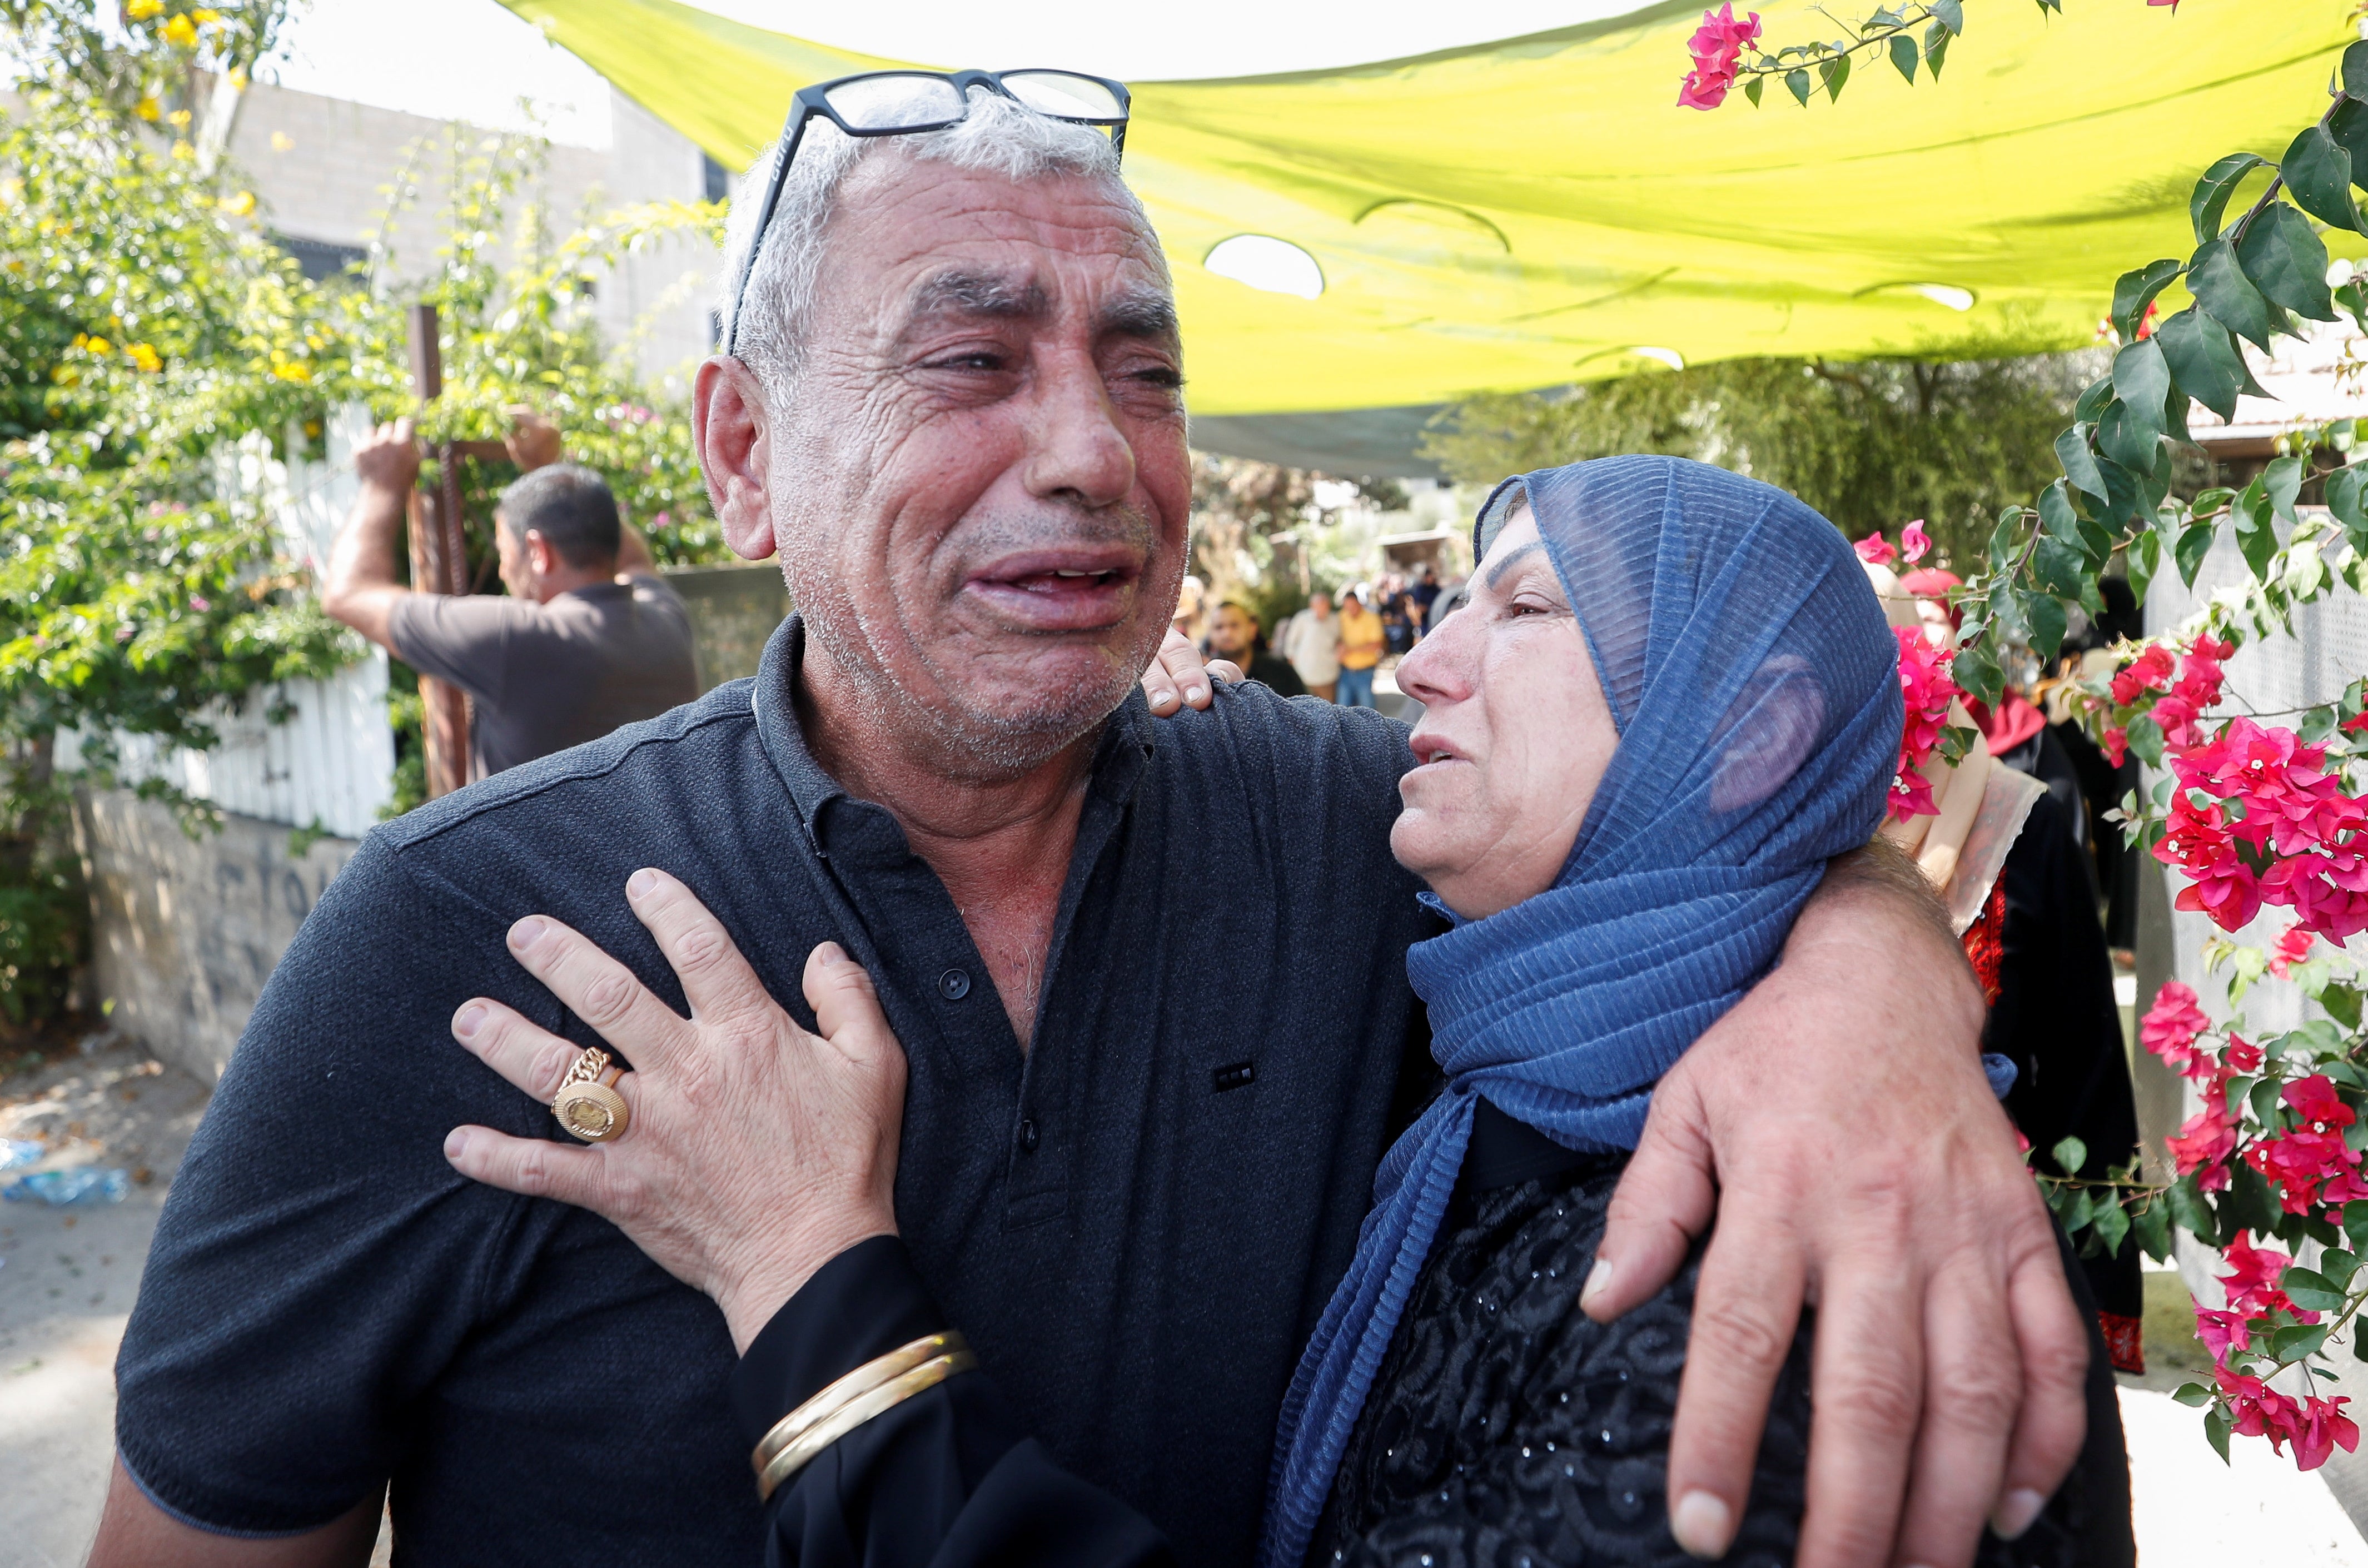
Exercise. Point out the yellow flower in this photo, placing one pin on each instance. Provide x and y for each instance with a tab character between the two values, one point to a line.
239	206
82	340
179	117
146	108
282	143
238	78
289	371
140	10
100	345
203	17
182	32
184	152
145	358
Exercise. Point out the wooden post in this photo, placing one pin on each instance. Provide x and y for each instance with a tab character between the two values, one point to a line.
440	565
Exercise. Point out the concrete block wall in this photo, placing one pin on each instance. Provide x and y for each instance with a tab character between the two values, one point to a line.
186	931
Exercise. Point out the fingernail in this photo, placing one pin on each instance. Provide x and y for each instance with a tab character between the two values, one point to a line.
831	954
1163	699
1599	1279
526	933
454	1142
466	1023
1196	693
2017	1511
641	883
1704	1525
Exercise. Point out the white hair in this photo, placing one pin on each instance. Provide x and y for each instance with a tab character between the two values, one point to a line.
997	136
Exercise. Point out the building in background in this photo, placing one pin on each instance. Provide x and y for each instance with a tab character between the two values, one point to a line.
323	169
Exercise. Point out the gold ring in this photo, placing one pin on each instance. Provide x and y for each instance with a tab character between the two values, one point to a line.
588	1104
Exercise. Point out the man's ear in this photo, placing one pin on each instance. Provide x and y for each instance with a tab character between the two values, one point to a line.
732	433
541	558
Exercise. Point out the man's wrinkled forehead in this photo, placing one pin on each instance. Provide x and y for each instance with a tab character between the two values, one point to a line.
938	243
969	291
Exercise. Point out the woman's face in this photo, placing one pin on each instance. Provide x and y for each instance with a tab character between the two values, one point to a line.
1514	738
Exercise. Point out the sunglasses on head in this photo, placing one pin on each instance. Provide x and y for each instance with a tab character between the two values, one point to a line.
905	102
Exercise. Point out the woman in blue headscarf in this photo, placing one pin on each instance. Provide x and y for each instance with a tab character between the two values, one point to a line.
1672	698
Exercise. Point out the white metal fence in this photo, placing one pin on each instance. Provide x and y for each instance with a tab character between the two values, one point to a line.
331	763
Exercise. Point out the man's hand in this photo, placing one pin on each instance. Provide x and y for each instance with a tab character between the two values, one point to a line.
756	1152
1178	679
1839	1123
389	461
533	441
359	587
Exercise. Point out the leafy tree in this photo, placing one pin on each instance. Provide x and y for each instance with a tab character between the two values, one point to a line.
1871	444
143	327
147	323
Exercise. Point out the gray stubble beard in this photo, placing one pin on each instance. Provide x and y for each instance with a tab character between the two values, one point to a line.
967	744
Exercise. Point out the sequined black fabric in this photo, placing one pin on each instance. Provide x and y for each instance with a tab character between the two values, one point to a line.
1505	1430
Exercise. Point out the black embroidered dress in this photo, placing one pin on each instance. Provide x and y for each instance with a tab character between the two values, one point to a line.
1506	1430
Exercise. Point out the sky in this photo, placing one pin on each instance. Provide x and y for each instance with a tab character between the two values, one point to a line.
473	59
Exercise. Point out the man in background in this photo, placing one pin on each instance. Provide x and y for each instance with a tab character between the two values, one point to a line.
1311	641
1425	593
1361	650
589	637
1233	634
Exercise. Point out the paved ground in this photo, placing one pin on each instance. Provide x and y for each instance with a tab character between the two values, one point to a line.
67	1277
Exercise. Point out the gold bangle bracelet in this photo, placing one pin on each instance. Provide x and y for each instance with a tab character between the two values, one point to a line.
853	1386
809	1445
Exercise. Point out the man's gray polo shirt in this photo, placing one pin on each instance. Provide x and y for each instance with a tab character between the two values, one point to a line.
542	678
1136	1223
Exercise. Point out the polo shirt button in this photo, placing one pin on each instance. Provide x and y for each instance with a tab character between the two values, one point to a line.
1028	1136
953	985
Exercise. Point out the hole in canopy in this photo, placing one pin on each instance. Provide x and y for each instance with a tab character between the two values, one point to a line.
1947	295
1263	262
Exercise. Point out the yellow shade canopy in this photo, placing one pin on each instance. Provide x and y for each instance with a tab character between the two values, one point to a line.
1537	211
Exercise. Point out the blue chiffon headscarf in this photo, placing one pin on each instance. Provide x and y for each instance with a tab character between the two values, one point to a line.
1755	686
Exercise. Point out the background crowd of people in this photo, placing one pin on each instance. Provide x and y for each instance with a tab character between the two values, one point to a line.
1328	649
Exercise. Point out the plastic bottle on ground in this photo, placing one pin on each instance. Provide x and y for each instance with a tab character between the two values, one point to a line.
63	1189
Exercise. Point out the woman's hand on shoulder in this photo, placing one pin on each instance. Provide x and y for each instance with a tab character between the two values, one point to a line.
1178	679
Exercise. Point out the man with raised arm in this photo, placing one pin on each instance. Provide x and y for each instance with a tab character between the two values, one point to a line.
952	398
588	637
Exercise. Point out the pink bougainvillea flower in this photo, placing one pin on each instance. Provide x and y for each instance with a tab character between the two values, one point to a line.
1926	692
2169	1028
2253	1281
2257	1410
1718	49
1914	542
2241	1056
1704	89
2150	671
1721	39
2308	1168
2204	1144
2226	889
2220	1331
2314	1100
2117	746
2323	1427
2292	948
1876	550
